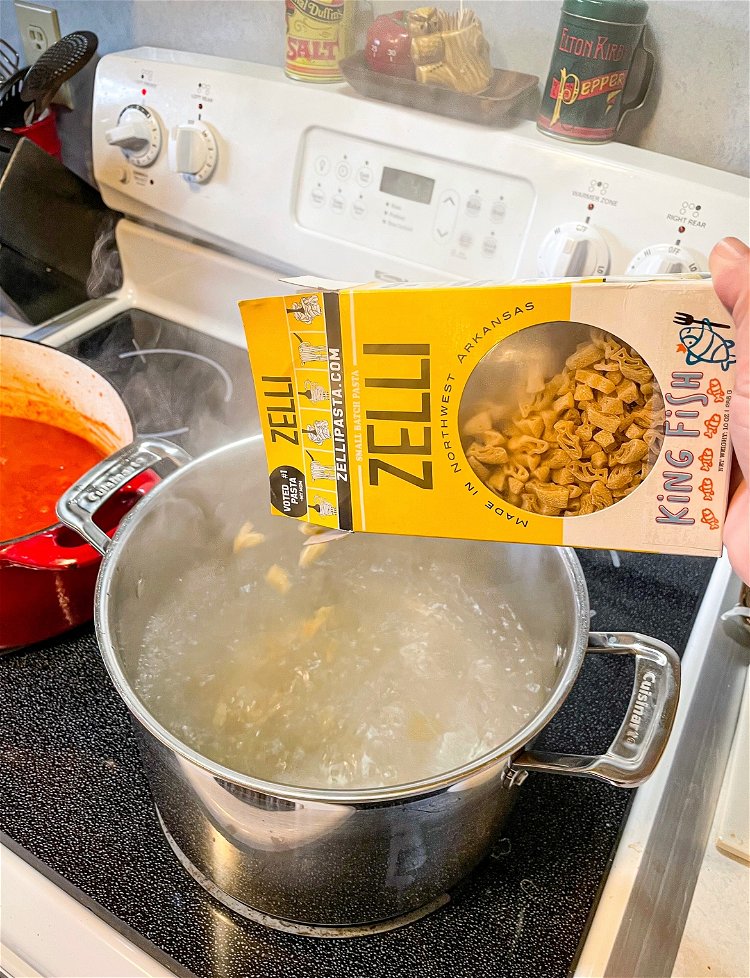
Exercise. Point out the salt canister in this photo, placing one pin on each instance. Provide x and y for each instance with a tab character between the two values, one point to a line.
319	34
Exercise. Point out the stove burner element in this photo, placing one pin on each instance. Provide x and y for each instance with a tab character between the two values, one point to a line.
141	353
176	382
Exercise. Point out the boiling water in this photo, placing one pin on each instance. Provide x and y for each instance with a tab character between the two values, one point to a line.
364	674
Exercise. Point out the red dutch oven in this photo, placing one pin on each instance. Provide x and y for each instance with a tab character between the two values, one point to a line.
47	578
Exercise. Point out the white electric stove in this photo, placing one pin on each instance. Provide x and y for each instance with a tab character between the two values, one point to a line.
230	177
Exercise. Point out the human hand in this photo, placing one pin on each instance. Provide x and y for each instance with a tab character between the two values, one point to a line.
730	269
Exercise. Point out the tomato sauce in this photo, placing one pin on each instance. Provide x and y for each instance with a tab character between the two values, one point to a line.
38	462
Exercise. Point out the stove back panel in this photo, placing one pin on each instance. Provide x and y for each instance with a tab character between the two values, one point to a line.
318	179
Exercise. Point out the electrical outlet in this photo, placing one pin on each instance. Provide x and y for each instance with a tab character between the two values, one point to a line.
39	28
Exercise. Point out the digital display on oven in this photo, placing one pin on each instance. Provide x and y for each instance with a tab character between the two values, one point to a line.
410	186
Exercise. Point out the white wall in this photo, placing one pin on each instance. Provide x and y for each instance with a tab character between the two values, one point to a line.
697	109
112	22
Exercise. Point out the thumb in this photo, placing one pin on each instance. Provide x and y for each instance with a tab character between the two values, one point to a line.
730	269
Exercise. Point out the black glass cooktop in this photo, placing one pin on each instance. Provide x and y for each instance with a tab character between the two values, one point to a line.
183	385
74	802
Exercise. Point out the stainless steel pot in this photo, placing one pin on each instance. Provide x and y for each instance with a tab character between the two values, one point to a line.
333	857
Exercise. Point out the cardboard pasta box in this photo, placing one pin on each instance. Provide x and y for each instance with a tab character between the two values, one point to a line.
591	413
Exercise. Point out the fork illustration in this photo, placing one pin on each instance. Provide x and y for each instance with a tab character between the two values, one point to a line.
685	319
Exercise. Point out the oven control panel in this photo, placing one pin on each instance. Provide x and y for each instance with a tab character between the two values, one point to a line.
313	179
461	218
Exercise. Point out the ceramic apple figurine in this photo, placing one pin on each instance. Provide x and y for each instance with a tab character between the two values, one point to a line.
387	46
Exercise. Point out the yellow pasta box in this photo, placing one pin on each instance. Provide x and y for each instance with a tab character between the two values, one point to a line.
590	413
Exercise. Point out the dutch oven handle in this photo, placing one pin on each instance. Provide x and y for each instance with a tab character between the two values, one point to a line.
56	548
77	507
643	735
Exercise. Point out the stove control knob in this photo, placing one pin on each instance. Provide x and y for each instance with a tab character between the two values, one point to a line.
662	259
138	134
193	152
573	250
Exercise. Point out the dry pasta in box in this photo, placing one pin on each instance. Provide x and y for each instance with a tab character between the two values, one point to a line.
590	414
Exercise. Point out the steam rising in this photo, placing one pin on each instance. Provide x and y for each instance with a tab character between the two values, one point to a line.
106	270
177	383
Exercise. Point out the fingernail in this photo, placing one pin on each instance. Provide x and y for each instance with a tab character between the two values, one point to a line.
732	249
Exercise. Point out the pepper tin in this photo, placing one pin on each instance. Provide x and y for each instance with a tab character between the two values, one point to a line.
596	45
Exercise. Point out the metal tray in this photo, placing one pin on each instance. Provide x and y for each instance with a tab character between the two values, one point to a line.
506	92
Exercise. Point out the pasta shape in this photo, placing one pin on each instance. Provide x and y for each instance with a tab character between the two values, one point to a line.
477	424
595	380
489	454
481	470
531	426
527	443
586	355
604	438
601	497
607	422
631	451
627	391
578	442
492	437
611	405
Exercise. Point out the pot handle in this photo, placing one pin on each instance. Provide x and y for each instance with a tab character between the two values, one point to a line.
52	549
736	620
76	508
643	735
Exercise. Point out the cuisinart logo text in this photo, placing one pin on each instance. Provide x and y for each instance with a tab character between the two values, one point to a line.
633	731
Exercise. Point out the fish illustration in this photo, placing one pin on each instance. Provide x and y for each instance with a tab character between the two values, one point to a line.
712	425
702	343
707	488
706	459
716	390
709	519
